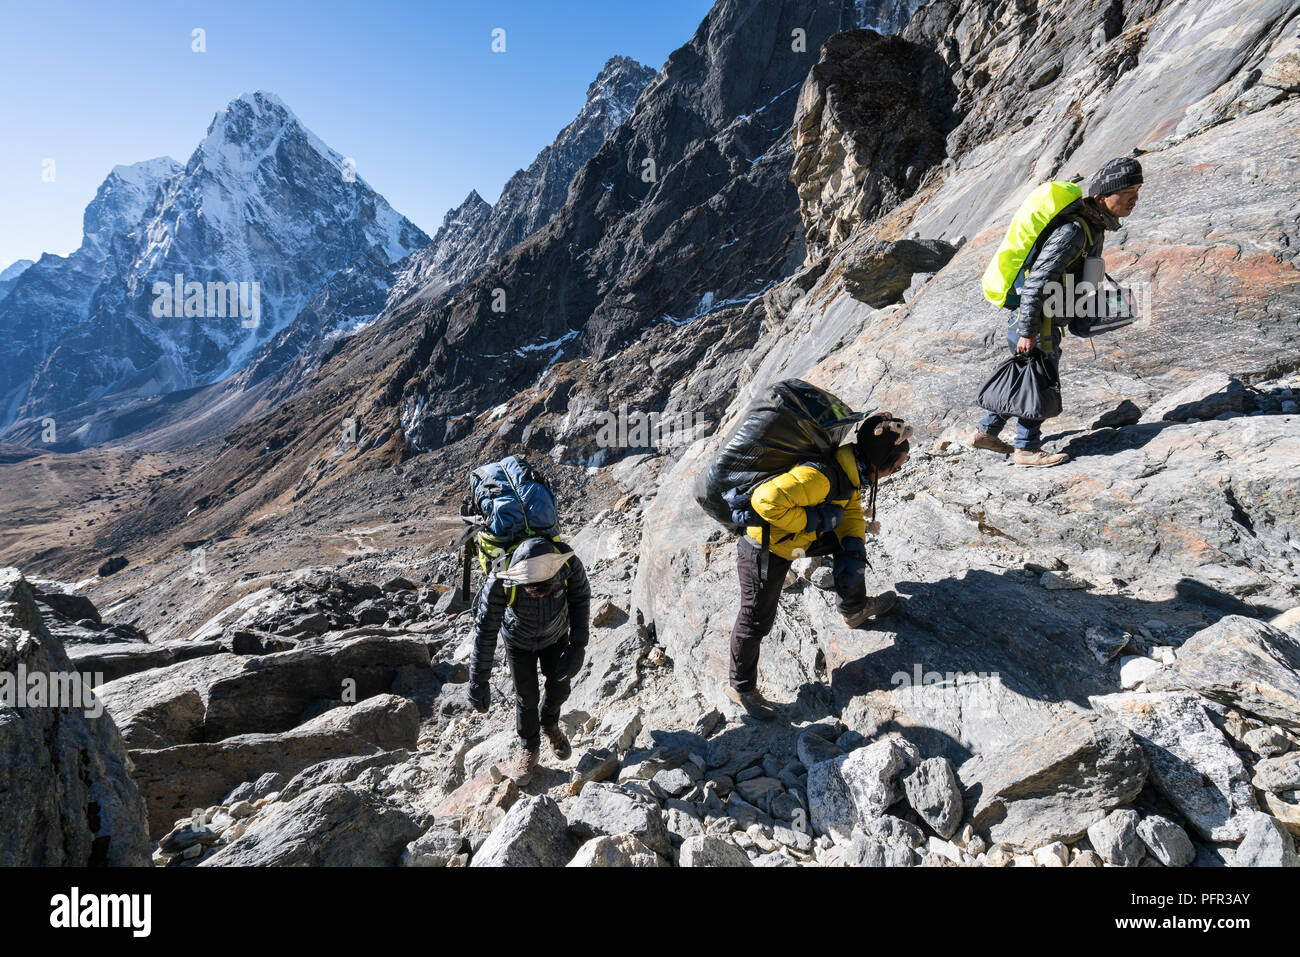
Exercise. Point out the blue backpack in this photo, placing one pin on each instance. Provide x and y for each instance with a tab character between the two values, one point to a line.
509	502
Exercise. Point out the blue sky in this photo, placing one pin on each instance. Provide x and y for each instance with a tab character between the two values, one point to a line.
411	90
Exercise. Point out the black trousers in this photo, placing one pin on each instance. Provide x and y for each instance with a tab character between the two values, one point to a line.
524	665
758	601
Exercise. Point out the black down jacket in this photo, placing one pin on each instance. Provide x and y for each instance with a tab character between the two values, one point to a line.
532	623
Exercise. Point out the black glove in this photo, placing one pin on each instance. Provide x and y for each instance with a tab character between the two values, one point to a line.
824	518
570	663
480	695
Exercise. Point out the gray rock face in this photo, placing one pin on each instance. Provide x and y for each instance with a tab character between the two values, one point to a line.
1192	763
331	826
1145	515
604	808
1245	663
1054	786
176	779
1167	841
68	797
533	833
434	848
1115	838
1266	843
934	793
848	791
880	273
711	851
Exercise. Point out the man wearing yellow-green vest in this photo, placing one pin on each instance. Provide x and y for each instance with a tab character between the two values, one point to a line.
1073	236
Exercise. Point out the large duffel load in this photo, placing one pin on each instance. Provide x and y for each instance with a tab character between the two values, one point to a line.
793	423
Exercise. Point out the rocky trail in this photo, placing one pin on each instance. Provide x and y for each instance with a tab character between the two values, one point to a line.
1111	719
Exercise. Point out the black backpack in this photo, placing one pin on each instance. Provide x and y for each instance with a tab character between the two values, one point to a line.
794	423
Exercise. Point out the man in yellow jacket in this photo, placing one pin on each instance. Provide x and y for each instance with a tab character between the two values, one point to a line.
813	509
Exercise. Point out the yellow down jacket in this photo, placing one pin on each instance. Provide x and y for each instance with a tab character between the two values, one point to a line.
781	501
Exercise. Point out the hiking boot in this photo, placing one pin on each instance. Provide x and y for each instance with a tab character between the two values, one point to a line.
873	608
753	703
524	766
980	439
559	743
1038	459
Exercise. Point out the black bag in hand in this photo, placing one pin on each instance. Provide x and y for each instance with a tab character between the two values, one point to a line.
1026	386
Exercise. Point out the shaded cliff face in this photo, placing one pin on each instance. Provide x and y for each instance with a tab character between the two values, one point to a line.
69	798
684	209
1180	517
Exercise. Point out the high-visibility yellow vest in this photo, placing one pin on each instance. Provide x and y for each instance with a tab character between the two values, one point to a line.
1040	207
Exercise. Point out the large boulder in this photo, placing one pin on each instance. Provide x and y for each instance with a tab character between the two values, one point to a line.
848	791
1242	662
331	826
211	698
533	833
605	808
178	779
1192	763
934	793
68	799
1115	838
1266	843
871	120
1054	786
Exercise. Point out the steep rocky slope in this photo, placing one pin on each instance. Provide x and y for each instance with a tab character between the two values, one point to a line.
1163	520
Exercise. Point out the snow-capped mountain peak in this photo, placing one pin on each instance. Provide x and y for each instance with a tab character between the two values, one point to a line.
262	206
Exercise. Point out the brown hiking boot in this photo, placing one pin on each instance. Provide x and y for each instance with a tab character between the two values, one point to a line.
753	703
979	439
1038	459
559	743
524	766
881	604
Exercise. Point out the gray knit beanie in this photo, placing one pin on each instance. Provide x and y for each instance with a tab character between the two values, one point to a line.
1115	175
